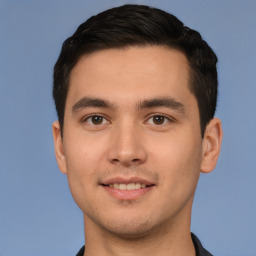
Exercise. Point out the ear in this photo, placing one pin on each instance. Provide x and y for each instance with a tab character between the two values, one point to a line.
211	145
58	145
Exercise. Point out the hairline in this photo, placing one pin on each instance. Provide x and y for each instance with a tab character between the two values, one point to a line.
86	52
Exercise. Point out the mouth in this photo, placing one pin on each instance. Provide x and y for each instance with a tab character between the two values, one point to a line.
130	189
129	186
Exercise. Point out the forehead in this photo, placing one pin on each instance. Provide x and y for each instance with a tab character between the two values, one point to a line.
131	73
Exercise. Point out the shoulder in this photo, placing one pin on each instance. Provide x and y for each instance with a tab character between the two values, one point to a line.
200	250
81	252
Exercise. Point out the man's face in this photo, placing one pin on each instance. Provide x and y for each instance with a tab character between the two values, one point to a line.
130	118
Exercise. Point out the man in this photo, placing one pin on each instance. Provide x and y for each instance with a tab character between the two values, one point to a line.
135	92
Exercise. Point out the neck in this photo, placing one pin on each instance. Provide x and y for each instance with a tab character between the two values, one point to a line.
169	238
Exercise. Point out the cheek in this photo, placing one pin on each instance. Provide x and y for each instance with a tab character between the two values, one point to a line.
179	159
83	152
82	159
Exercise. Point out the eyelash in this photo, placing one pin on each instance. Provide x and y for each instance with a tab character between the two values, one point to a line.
165	121
84	120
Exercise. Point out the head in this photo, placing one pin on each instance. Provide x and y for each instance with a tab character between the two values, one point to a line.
135	93
138	25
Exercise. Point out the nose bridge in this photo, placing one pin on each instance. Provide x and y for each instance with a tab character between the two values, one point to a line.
126	144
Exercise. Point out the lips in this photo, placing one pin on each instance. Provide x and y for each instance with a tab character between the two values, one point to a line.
120	180
129	186
127	189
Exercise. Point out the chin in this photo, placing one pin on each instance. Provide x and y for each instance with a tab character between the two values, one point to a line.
130	231
129	227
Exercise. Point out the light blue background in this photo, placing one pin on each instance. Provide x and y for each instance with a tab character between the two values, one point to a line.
37	214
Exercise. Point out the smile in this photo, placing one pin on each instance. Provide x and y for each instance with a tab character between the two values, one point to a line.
127	189
130	186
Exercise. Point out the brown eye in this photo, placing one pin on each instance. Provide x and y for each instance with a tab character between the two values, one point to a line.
96	120
158	120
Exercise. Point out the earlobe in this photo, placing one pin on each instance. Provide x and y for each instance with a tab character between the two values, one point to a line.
211	145
58	145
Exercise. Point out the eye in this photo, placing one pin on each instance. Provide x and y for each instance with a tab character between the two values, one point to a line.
158	120
96	120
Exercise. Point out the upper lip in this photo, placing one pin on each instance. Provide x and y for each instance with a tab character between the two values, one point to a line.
122	180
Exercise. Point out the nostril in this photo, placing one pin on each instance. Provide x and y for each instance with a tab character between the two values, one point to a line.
134	161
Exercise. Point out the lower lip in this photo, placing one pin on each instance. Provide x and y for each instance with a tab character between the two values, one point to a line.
127	194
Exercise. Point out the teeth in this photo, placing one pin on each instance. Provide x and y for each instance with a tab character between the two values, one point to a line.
137	186
130	186
122	186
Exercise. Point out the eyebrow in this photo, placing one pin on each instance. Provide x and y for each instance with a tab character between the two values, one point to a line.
162	102
88	102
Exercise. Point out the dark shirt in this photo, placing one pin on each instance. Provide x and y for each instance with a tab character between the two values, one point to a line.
200	251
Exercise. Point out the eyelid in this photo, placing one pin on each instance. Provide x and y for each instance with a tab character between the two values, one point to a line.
85	118
167	117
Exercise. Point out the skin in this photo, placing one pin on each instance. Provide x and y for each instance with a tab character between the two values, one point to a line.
130	141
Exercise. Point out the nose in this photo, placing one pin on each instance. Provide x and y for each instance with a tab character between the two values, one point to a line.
126	146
